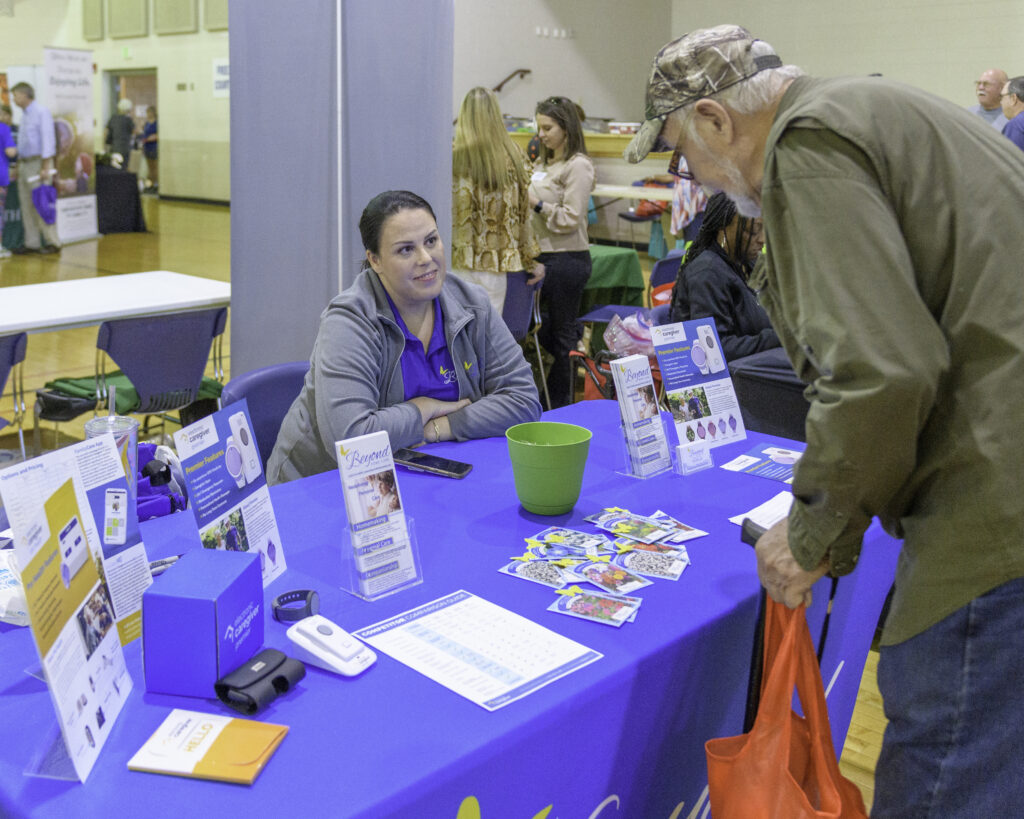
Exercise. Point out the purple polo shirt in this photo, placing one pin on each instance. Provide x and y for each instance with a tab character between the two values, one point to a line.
429	373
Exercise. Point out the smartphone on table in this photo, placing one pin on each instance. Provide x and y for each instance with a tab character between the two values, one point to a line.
425	462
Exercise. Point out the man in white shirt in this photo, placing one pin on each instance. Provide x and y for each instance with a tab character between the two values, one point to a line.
37	154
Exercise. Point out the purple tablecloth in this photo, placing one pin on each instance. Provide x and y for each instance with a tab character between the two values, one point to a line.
626	731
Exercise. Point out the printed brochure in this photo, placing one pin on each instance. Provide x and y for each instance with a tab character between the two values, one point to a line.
698	388
53	503
227	489
382	549
641	421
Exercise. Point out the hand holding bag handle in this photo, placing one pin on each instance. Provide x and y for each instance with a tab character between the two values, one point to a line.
785	766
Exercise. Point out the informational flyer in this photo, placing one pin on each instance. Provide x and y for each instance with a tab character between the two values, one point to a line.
767	461
110	522
698	388
382	549
227	488
768	513
641	420
69	605
479	650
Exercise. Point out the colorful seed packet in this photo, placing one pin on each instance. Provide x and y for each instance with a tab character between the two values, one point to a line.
571	539
597	607
680	531
612	578
625	544
651	564
623	524
537	571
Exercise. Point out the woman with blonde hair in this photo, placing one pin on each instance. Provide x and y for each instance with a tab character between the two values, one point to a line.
492	236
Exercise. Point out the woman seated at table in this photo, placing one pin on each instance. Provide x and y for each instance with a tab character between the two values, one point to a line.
712	280
405	349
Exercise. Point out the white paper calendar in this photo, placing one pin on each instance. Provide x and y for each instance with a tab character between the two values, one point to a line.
487	654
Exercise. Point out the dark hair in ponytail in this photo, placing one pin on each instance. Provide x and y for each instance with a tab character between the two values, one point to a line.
718	215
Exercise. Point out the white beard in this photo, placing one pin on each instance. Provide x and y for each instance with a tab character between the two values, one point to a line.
742	195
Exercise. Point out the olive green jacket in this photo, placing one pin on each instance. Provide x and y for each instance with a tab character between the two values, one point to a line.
893	274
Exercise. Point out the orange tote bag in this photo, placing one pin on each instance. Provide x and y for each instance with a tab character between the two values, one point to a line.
785	767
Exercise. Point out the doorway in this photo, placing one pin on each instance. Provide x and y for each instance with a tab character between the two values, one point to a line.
140	87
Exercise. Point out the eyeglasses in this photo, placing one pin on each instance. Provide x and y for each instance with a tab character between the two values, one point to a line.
674	166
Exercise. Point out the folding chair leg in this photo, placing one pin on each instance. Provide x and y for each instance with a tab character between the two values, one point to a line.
37	444
543	376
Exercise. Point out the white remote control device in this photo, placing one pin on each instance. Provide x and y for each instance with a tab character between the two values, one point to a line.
716	361
327	645
251	466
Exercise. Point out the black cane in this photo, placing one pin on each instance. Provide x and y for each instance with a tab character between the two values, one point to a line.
750	532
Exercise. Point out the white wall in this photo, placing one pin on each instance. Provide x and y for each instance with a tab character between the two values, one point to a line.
603	67
194	126
939	45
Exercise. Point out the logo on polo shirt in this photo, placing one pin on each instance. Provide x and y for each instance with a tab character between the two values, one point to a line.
446	374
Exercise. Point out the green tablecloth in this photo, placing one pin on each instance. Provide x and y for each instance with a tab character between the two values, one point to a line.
616	278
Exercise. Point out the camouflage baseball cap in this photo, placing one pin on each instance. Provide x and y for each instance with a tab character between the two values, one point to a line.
697	65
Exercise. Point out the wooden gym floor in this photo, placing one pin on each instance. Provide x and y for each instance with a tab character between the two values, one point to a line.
196	239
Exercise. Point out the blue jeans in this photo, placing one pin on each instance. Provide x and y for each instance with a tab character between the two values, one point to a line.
954	695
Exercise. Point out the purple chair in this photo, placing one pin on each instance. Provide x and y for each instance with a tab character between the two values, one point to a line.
521	312
164	356
12	353
269	393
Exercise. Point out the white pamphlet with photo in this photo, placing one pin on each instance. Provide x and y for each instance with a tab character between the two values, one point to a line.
381	551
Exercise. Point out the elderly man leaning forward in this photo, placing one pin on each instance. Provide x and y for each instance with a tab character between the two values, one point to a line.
895	289
988	88
1012	100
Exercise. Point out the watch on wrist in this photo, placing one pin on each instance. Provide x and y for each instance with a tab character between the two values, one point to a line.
538	207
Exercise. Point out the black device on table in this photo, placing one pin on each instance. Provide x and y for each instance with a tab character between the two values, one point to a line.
424	462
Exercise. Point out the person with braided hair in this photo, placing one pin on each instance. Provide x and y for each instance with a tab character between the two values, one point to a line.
712	280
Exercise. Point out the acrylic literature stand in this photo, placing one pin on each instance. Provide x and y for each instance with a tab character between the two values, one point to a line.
644	439
379	550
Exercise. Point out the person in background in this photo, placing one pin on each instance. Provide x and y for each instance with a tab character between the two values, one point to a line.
150	146
8	151
892	275
406	349
492	238
713	277
563	179
1012	101
37	149
120	129
989	86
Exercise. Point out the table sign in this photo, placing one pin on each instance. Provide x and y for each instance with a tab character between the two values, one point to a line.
698	388
479	650
693	457
227	489
646	445
767	461
52	503
380	557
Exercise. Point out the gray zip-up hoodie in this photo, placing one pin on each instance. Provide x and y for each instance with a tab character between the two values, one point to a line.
354	385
